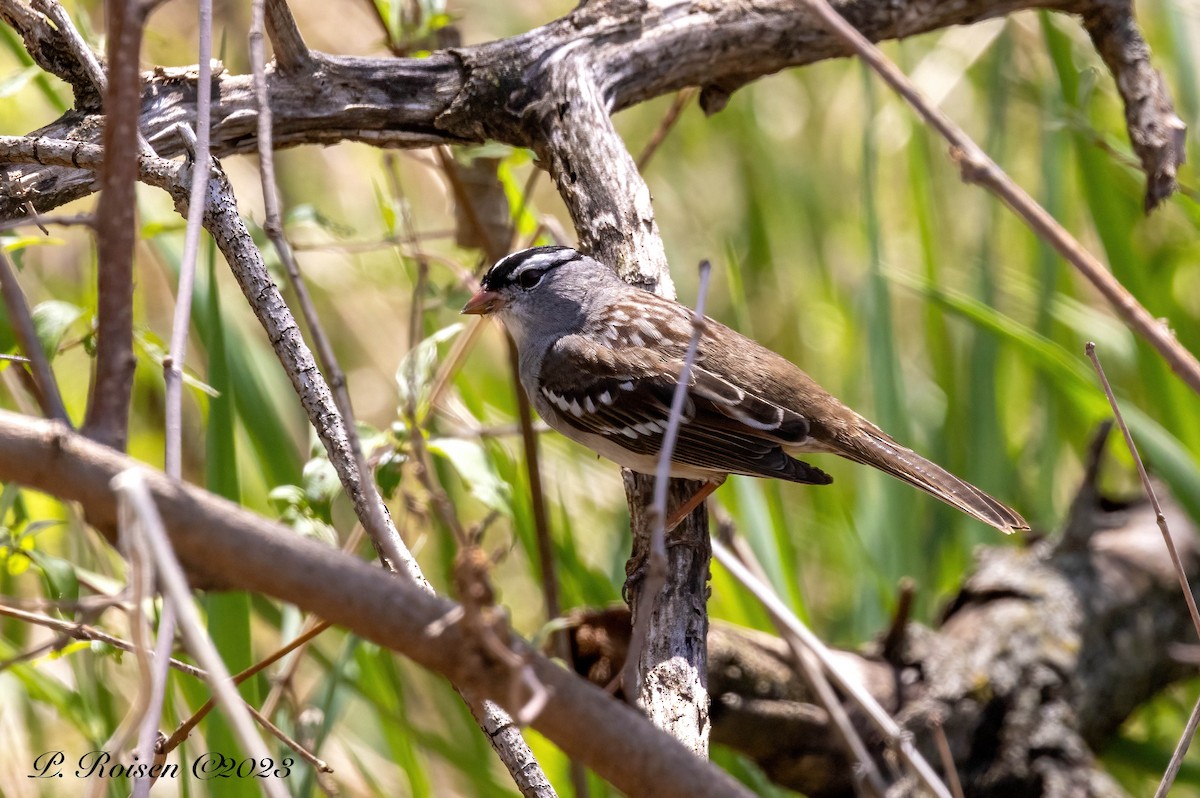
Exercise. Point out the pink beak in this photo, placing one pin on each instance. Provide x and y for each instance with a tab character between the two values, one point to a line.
483	303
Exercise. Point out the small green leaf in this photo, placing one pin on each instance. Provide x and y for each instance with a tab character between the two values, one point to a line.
389	472
472	464
285	497
416	370
321	484
153	229
316	529
61	582
71	648
51	321
15	243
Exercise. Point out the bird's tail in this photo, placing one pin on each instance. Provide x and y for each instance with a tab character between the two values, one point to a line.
879	451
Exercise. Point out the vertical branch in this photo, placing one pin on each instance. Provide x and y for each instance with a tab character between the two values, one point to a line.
19	317
148	735
611	209
107	419
173	364
132	489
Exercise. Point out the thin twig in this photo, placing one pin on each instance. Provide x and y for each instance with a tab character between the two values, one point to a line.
856	750
656	572
79	219
1180	574
977	167
369	505
665	126
131	487
780	613
21	320
80	631
142	578
1185	740
948	767
290	742
149	735
185	729
173	363
1181	748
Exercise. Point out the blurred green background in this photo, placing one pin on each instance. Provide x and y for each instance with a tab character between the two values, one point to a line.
842	238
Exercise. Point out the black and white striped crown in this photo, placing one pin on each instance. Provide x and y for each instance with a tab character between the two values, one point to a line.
509	268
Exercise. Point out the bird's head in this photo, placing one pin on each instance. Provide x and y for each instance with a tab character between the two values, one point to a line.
539	291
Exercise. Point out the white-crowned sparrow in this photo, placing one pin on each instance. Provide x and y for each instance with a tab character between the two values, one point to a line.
600	360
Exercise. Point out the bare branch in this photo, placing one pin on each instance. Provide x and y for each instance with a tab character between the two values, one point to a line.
291	53
464	94
1157	133
220	543
1159	518
369	504
81	631
84	56
48	395
107	417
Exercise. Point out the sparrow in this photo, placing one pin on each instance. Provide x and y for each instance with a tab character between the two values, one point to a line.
600	360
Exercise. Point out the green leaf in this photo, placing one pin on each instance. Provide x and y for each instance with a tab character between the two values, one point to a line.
61	582
321	484
15	243
416	370
151	346
389	472
285	497
472	464
51	321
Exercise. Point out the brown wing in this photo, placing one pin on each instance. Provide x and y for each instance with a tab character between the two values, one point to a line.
627	395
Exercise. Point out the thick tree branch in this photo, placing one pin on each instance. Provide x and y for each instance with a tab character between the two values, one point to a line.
1035	665
483	92
56	51
219	542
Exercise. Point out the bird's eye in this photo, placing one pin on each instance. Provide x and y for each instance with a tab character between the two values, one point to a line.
530	277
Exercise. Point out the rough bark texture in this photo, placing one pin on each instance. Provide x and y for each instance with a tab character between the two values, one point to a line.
674	662
1037	661
553	90
222	543
633	51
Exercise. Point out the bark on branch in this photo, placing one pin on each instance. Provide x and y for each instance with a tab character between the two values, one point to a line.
635	51
221	543
1034	666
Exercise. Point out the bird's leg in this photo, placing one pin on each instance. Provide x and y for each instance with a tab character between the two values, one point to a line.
694	501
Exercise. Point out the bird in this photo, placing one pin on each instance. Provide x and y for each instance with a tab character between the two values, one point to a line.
600	360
